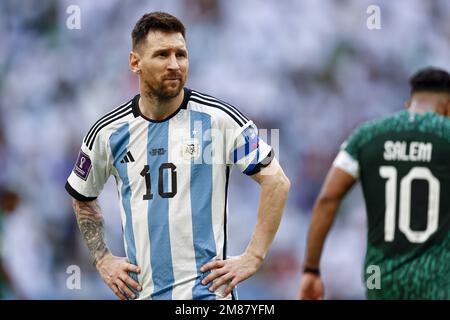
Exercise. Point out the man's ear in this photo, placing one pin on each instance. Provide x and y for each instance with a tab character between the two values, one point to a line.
447	108
407	104
133	62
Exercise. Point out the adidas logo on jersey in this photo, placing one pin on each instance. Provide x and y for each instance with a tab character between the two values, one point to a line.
128	158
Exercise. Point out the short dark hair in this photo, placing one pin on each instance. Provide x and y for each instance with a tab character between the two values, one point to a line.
430	79
160	21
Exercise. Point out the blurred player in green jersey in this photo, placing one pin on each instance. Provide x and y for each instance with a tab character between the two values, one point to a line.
403	163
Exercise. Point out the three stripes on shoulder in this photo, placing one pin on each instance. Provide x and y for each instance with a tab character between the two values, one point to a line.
126	108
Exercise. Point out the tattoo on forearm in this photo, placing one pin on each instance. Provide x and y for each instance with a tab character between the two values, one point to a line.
90	221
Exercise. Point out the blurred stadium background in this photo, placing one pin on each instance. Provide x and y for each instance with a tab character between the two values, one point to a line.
309	68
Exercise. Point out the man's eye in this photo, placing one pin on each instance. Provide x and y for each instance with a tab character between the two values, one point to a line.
162	54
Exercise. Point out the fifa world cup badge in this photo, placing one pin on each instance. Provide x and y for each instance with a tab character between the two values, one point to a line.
82	166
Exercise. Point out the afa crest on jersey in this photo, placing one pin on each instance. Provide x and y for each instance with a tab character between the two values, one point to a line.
190	149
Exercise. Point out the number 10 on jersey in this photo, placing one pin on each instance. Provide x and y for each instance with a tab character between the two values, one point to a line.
416	173
145	173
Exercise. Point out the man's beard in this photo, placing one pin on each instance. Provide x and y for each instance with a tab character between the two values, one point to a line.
163	91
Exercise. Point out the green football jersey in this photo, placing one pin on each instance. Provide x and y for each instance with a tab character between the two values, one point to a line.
403	163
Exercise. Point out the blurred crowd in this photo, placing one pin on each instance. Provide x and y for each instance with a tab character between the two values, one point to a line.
311	69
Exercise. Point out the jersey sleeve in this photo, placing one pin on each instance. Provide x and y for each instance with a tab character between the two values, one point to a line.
247	150
348	156
90	172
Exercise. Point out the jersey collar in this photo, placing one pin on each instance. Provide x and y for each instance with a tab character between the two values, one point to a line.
137	112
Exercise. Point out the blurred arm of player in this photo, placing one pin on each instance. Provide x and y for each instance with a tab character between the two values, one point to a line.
114	270
274	192
336	185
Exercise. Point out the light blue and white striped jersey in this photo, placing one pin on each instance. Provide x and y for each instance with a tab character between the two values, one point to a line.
172	180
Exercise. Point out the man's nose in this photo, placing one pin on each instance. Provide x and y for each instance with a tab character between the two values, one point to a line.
173	63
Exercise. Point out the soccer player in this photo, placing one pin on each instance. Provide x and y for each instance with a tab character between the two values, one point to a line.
170	150
403	162
9	201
